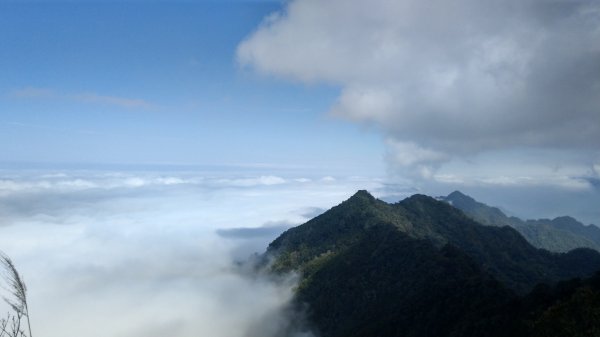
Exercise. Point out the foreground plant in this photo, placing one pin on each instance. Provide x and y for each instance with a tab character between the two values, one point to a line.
12	324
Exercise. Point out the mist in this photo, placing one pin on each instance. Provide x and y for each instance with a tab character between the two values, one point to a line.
154	254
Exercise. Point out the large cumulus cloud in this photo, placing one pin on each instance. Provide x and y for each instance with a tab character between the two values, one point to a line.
447	79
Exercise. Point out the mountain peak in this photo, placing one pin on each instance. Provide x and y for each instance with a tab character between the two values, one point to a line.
362	195
561	234
422	199
356	259
567	219
458	195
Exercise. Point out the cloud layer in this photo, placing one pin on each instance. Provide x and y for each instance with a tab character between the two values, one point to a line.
131	254
152	254
445	80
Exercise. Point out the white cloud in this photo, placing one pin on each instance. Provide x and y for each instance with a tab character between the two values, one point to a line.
596	169
271	180
136	254
30	92
531	168
86	97
409	154
145	260
445	80
111	100
449	179
248	182
171	181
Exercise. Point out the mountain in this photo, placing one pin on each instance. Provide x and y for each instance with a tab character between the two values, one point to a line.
388	281
421	267
561	234
501	251
480	212
571	308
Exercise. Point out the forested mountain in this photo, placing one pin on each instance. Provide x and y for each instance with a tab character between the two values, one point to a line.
501	251
561	234
421	267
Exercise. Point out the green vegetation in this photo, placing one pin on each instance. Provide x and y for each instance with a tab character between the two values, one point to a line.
571	308
558	235
421	267
389	284
501	251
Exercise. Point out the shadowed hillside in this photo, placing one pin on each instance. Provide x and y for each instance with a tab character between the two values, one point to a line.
561	234
421	267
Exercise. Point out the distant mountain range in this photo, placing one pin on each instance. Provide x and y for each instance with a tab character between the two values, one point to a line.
561	234
421	267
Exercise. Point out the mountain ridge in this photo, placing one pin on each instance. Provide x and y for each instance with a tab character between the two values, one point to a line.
421	267
502	250
560	234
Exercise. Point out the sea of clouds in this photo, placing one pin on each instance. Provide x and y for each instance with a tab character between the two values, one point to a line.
154	254
128	254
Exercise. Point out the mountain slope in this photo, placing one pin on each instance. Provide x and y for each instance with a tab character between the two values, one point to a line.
388	282
559	235
391	286
480	212
422	268
571	308
500	251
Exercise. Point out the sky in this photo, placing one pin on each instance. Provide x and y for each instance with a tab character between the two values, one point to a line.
500	99
157	83
479	96
146	146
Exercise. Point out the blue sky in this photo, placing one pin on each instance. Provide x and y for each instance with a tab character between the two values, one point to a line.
499	100
158	83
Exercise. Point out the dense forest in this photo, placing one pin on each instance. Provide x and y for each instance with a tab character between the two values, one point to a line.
421	267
